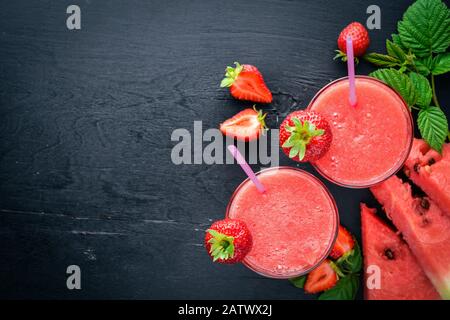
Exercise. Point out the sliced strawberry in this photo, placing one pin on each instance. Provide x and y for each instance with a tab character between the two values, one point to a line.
246	83
344	243
322	278
247	125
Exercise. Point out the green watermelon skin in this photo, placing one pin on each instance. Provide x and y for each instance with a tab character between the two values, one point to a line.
401	276
425	228
431	172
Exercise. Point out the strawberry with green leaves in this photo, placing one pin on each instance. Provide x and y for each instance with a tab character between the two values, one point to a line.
305	136
228	241
336	278
360	39
246	83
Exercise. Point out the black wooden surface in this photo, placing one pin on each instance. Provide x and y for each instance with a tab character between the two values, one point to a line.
85	122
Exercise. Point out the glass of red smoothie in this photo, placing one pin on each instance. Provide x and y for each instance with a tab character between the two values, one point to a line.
370	141
294	223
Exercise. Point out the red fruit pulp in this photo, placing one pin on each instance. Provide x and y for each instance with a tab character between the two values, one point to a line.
370	141
293	224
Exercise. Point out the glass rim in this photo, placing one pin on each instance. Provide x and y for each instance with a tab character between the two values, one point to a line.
403	157
336	219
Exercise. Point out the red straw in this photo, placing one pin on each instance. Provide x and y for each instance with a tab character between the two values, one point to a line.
351	72
244	165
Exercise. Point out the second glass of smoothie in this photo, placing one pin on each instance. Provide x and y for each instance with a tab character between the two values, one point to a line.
370	141
293	223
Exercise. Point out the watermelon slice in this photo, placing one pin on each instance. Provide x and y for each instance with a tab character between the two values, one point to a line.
423	225
431	172
400	274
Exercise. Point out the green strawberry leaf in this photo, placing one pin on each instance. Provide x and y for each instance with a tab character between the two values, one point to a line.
425	27
441	64
423	89
399	82
351	262
396	39
395	51
433	126
294	151
421	67
299	282
345	289
381	60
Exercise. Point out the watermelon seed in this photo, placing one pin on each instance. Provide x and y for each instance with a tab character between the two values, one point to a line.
416	167
431	161
388	253
424	203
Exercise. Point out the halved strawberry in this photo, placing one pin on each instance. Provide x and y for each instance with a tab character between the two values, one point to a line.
246	83
247	125
322	278
344	243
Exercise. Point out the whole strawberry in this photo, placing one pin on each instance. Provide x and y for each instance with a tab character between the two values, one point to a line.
246	83
305	136
228	241
360	39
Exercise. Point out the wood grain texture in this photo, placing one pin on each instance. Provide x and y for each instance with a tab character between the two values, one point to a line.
85	124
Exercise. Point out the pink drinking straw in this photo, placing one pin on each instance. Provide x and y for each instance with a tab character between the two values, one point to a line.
351	72
244	165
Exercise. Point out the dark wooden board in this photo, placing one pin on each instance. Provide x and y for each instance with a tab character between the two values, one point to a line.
85	122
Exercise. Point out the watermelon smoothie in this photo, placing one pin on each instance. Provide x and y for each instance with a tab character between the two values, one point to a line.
370	141
293	223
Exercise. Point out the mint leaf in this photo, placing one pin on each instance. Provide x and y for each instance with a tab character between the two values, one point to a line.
399	82
433	126
423	89
381	60
351	262
345	289
395	51
299	282
425	27
441	64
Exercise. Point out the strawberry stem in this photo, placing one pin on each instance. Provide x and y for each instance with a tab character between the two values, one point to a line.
222	246
343	56
261	118
231	75
300	135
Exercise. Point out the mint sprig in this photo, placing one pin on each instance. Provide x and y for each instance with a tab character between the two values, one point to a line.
414	57
351	262
345	289
298	282
348	268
